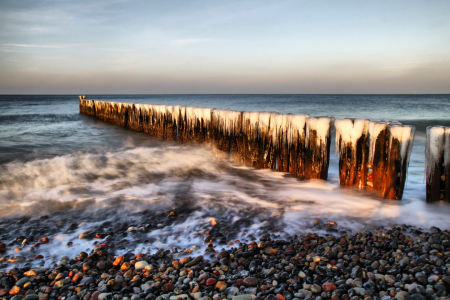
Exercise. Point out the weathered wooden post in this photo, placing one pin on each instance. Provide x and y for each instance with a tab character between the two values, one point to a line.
353	149
235	125
317	151
437	154
400	146
447	164
279	142
198	121
251	138
296	143
390	150
378	154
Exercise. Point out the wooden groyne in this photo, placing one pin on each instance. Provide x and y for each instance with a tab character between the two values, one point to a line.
372	155
438	163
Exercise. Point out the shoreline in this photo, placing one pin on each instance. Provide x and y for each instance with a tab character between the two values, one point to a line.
394	262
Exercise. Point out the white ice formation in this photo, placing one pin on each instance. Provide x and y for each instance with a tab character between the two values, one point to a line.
375	128
323	127
405	135
349	131
438	140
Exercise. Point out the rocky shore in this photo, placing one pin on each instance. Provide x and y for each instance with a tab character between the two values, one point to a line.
395	262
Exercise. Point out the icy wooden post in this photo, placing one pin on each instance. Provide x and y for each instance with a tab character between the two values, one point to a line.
226	129
251	136
170	114
237	137
447	164
135	119
296	144
437	154
120	114
317	151
351	143
98	105
198	125
378	154
400	146
87	106
280	142
220	137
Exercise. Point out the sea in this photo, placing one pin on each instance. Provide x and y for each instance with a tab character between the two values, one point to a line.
63	174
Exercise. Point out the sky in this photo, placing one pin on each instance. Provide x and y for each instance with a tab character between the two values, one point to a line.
224	47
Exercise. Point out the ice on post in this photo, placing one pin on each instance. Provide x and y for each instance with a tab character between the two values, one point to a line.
353	149
437	154
317	147
401	139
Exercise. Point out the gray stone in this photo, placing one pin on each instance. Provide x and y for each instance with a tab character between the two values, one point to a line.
87	280
22	281
179	297
315	288
243	297
104	296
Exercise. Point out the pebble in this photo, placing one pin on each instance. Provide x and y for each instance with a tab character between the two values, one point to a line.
398	262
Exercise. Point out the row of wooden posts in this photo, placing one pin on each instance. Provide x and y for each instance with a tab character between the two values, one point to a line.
372	155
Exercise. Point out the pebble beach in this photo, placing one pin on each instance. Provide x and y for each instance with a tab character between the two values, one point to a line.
393	262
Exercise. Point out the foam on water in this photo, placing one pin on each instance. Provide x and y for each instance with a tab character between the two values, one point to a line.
131	185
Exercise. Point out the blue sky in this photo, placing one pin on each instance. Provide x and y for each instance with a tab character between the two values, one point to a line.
131	46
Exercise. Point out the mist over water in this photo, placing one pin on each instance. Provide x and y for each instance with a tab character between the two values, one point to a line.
62	174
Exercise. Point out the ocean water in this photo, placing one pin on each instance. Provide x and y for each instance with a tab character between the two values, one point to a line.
63	173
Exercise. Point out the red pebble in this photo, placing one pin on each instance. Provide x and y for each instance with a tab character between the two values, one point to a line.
168	287
328	287
119	260
211	281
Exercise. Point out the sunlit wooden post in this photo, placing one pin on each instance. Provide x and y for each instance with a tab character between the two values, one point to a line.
378	154
400	146
352	145
317	151
297	145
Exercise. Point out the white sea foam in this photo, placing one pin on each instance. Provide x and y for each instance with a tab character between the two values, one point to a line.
117	185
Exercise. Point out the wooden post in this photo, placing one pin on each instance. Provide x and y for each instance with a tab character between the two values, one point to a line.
435	170
378	154
297	145
400	145
447	165
351	142
251	138
236	137
317	151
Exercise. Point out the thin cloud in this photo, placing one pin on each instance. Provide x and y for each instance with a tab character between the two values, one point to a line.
195	41
34	46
